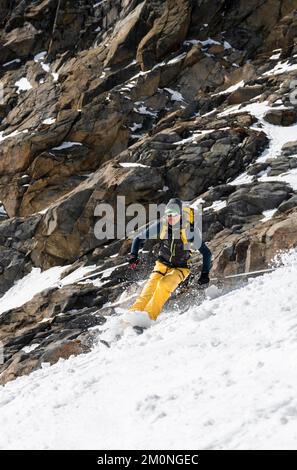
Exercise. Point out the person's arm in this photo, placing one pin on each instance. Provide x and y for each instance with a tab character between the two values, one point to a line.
201	246
151	231
207	258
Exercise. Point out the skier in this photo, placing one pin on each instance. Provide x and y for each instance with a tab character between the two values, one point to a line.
178	236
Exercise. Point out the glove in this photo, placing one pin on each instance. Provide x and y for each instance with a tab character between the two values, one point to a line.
133	261
203	279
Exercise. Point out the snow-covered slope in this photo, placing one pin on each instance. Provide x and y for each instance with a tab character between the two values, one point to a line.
220	376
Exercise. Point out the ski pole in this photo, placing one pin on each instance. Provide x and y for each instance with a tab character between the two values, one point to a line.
251	273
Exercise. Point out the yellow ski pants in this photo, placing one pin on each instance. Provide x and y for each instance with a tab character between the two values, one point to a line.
162	282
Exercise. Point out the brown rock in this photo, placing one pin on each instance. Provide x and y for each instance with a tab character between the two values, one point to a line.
126	36
256	247
36	11
67	228
205	73
54	174
167	34
18	367
11	191
20	42
283	34
62	350
246	72
281	117
244	94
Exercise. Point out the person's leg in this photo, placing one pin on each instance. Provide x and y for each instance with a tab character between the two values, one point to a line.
164	289
148	291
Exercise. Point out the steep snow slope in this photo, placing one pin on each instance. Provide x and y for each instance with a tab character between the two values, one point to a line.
220	376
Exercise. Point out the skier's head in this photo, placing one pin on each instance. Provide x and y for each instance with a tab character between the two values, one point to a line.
173	211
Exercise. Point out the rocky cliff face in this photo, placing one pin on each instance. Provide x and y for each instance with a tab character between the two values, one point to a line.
197	96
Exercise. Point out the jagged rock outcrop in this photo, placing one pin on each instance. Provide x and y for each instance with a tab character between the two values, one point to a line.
16	244
126	35
167	34
256	247
67	230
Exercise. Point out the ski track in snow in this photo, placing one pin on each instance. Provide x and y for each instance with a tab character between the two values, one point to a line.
220	376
